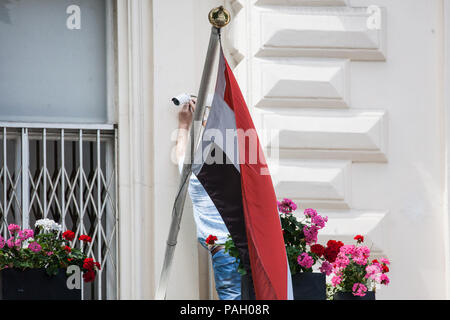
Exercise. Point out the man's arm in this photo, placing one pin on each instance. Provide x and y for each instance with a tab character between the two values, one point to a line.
184	123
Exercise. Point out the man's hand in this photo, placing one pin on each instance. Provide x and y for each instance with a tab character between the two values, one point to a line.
185	115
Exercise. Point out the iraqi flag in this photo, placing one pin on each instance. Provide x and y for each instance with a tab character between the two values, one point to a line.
231	166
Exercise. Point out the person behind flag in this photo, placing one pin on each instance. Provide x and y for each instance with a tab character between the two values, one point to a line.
207	218
231	166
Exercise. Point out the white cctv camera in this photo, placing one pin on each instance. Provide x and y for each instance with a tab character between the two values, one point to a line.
182	98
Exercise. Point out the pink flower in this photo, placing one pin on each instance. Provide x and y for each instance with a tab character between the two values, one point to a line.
359	289
385	261
360	255
363	252
21	235
2	242
13	228
35	247
372	271
319	221
25	234
10	242
348	249
305	260
341	261
310	234
375	262
29	233
360	261
310	212
286	206
336	280
49	253
384	279
18	243
326	268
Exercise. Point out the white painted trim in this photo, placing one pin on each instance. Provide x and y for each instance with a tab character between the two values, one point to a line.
445	76
135	94
58	125
111	61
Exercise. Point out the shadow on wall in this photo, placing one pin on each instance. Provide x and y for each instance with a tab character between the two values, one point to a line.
4	11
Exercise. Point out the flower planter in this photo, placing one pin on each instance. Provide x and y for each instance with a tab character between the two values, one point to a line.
35	284
306	286
309	286
370	295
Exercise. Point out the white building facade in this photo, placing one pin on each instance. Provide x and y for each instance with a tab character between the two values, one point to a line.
358	92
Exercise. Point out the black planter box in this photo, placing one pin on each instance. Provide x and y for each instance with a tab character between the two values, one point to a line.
35	284
306	286
370	295
309	286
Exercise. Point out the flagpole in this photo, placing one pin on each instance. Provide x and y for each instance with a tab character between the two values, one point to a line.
218	17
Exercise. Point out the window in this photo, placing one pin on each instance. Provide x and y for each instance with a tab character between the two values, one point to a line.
50	72
58	145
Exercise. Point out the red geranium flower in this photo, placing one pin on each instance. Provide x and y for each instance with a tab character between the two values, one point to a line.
88	263
375	261
211	239
359	238
97	265
67	248
334	243
89	276
318	249
385	268
84	237
332	250
68	235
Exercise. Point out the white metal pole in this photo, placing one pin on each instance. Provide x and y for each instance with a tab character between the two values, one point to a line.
5	172
178	206
44	159
25	181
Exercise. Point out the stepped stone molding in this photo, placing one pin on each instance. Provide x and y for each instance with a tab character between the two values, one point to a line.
344	225
296	76
234	5
293	82
318	32
315	184
359	136
234	47
302	2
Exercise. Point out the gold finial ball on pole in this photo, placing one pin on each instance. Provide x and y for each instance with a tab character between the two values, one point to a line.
219	17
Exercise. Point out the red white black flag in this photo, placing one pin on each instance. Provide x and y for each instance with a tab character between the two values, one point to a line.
231	166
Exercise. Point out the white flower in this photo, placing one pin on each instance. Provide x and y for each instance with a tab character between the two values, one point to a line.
48	225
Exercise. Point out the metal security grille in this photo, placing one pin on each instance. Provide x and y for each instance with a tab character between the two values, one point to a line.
67	173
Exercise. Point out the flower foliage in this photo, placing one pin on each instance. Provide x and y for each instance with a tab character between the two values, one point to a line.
46	248
353	272
233	251
300	238
348	265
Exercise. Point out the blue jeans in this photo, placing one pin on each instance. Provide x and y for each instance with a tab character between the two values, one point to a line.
226	276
